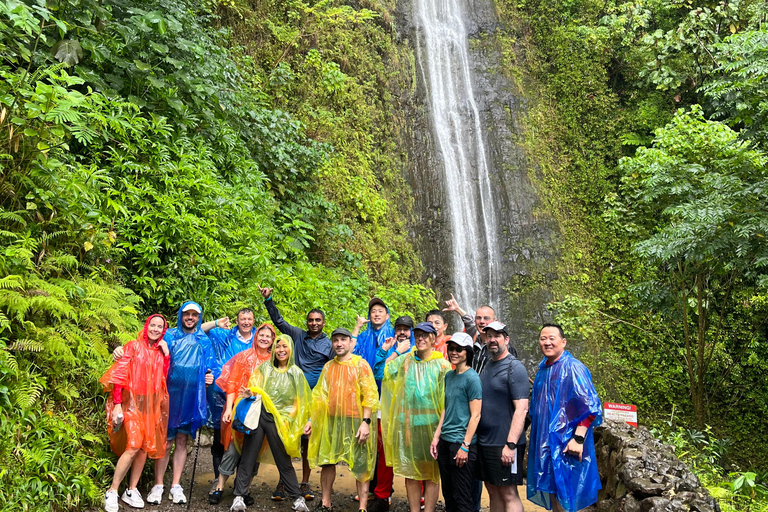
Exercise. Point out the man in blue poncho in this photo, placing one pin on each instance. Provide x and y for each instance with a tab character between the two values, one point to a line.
193	367
379	329
562	464
313	350
227	342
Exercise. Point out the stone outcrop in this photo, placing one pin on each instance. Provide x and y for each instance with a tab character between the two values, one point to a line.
640	474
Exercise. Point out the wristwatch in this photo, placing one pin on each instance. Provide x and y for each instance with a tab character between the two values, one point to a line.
579	439
367	420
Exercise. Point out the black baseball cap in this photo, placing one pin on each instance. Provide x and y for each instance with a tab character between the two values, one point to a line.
376	302
341	330
404	320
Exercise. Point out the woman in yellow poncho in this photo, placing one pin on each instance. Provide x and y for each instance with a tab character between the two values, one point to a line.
413	397
285	398
343	402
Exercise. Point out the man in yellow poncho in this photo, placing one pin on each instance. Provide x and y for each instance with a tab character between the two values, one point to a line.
413	397
343	402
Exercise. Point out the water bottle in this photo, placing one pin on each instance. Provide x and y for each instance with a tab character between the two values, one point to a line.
117	423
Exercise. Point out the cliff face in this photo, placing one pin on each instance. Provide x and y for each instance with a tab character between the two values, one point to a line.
525	237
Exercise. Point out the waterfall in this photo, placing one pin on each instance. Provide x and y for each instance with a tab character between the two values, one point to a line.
443	56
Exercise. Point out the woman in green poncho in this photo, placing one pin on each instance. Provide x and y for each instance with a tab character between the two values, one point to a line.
285	401
413	397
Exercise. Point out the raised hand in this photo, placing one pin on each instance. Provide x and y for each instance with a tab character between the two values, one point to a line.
224	322
361	321
265	292
451	305
388	343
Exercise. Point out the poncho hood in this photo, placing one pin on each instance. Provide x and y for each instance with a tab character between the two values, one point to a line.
370	340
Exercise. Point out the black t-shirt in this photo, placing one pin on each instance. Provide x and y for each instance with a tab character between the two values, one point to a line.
503	381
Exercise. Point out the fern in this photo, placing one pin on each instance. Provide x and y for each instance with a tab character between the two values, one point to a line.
27	393
27	345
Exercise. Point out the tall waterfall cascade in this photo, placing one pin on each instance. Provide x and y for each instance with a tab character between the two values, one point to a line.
443	57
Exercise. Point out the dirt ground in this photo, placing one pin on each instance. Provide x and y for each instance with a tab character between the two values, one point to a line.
261	489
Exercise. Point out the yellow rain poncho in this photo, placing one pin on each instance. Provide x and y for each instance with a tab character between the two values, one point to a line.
413	397
285	394
342	391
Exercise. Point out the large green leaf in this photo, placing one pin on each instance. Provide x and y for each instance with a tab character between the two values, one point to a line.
68	51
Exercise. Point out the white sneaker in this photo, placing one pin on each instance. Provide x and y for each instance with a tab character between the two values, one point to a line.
132	497
155	496
300	505
110	501
238	504
177	494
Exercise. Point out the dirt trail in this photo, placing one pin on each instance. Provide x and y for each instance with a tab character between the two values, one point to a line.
263	485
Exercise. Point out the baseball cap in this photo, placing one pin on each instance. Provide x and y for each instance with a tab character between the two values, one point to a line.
404	320
341	330
376	302
496	326
425	327
192	307
462	339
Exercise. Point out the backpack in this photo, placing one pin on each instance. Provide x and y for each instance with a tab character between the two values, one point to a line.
247	414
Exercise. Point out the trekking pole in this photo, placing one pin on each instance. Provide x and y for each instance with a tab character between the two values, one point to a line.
194	466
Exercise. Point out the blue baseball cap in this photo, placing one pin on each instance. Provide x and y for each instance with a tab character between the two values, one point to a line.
425	327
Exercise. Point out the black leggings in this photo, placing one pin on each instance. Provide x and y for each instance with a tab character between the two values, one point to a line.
457	481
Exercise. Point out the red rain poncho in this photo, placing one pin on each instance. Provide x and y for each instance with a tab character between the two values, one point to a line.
236	373
141	374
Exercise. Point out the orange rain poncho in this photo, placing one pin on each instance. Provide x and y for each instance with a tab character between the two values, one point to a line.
141	374
342	391
413	398
285	394
235	374
441	344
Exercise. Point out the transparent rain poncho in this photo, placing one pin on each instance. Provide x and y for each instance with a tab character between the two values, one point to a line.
235	374
191	356
412	398
342	391
285	394
563	396
141	374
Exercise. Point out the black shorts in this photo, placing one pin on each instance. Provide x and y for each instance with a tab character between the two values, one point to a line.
490	470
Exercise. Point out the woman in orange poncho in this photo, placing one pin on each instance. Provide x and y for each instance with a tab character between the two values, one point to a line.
235	375
137	408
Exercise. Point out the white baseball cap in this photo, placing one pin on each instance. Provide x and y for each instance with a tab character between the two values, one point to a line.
192	307
462	339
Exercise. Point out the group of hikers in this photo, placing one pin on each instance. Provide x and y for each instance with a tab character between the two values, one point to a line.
387	399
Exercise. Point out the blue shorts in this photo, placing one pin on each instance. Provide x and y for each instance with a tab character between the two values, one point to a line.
181	429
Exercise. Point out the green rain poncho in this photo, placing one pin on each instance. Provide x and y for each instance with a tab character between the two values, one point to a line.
412	398
342	391
286	395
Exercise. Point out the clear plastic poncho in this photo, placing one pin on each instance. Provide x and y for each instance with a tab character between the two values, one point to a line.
563	396
234	375
141	374
341	393
191	356
412	398
285	394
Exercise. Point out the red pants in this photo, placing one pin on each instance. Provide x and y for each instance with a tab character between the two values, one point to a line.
384	475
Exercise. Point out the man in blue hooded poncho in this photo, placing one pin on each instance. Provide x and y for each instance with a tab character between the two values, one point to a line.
368	342
227	342
193	367
562	464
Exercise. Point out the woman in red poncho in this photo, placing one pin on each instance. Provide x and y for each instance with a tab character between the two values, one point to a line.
137	408
235	375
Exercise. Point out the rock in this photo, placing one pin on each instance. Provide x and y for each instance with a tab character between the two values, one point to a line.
630	504
703	506
687	482
646	487
606	506
654	504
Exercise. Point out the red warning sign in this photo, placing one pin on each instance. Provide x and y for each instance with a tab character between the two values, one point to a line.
620	412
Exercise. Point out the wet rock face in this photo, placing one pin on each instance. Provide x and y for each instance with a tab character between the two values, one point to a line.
640	474
526	237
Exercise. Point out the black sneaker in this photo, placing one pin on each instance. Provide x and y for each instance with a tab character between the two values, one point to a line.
248	500
378	505
306	491
279	494
214	498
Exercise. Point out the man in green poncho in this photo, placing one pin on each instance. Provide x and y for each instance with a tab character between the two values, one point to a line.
413	397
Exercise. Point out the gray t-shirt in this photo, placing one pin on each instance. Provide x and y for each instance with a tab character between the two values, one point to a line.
503	381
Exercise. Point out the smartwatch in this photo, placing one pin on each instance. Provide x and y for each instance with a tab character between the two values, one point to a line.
367	420
579	439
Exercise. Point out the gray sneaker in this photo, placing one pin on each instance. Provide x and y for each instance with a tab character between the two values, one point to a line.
110	501
299	505
132	497
177	494
155	495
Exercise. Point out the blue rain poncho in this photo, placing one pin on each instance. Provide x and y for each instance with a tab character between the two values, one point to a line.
370	341
563	396
381	360
191	356
226	345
